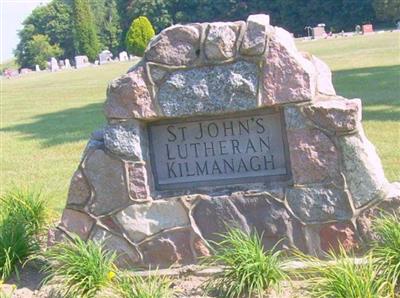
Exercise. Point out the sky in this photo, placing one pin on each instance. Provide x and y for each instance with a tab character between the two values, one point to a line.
13	13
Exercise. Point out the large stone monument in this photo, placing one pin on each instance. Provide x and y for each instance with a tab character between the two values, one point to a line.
224	125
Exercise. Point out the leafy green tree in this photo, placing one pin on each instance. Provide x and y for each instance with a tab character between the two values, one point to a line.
107	19
387	10
139	35
85	37
53	20
40	49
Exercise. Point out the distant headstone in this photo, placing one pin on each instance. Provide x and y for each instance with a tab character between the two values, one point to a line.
105	57
131	57
220	125
367	28
67	64
81	61
37	68
61	64
54	65
123	56
319	31
358	29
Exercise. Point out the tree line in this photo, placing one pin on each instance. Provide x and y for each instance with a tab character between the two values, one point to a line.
65	28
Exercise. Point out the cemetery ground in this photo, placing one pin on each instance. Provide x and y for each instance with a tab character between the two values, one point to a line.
47	117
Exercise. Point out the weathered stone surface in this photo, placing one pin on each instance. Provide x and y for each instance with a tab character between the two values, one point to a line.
391	205
77	222
319	204
124	140
138	186
143	220
129	97
230	87
338	114
255	36
336	235
294	118
362	169
287	75
324	77
92	145
313	156
127	254
106	175
167	249
258	213
177	45
157	73
79	190
54	236
220	43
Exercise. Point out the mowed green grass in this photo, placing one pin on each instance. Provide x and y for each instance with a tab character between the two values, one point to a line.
47	118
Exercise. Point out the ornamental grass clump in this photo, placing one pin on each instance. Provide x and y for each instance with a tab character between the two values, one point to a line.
134	286
249	270
23	217
345	276
386	249
79	268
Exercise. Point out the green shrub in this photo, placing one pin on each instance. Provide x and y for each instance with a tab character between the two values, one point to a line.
80	268
345	277
249	270
386	250
23	216
133	286
139	35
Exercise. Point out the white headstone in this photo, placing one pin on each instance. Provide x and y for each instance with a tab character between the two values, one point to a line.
123	56
54	64
37	68
67	64
81	61
105	57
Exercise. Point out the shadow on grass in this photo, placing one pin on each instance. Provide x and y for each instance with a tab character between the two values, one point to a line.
67	126
378	88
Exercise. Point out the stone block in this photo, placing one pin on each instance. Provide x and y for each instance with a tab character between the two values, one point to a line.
167	249
253	213
177	45
212	89
319	204
324	77
336	115
363	169
129	97
76	222
220	42
313	157
138	186
287	75
124	140
255	36
79	190
127	254
337	235
106	175
143	220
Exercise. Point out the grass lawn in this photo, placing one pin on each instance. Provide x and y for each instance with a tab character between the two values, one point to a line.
46	118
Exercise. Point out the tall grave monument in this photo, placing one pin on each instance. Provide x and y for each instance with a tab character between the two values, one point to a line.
224	124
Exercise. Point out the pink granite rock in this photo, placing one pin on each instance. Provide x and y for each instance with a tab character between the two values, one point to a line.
177	45
313	156
137	180
129	97
77	222
79	190
255	36
337	114
287	75
334	236
106	175
324	77
220	43
167	249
